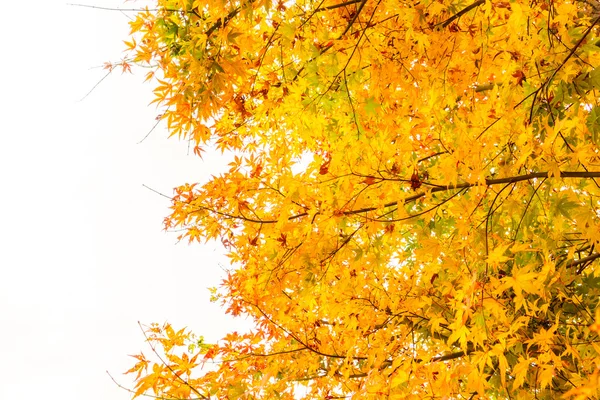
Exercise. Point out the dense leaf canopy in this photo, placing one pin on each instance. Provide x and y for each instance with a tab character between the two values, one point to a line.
413	207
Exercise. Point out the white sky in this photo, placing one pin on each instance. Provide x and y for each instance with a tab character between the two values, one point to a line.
82	253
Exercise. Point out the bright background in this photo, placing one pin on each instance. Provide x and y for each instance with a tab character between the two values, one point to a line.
82	253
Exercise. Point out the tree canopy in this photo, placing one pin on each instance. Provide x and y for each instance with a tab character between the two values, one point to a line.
412	209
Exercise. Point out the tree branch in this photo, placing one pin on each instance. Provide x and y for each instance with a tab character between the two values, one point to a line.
584	260
488	182
344	4
357	12
224	21
146	394
450	356
132	9
585	34
461	13
296	338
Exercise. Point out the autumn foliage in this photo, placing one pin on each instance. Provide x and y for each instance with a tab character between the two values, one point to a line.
413	205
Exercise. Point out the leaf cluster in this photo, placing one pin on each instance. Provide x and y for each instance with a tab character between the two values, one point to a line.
413	206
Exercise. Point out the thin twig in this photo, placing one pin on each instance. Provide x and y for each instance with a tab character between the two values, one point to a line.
144	394
461	13
157	192
96	85
344	4
128	9
356	14
151	130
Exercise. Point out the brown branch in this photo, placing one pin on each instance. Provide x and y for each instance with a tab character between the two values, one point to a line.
296	338
387	363
547	81
585	34
344	4
277	353
461	13
450	356
379	218
222	22
439	153
445	357
584	260
238	217
488	182
360	7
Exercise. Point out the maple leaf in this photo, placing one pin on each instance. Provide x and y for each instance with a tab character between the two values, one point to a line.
324	168
371	106
415	181
369	180
130	45
520	76
198	151
126	67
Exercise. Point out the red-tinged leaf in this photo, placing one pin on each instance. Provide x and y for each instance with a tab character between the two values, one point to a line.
126	67
433	278
502	4
254	241
369	180
282	239
390	228
520	76
415	182
256	171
